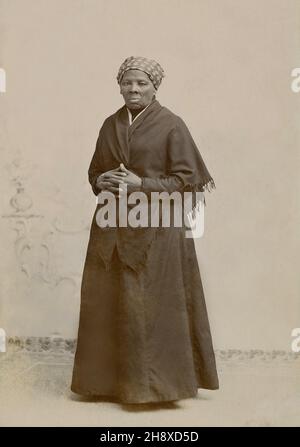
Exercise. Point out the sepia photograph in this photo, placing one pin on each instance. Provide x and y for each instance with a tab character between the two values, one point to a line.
150	214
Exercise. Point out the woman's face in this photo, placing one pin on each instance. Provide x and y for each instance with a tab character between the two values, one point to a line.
137	89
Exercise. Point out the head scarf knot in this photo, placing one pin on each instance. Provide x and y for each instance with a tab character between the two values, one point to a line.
148	66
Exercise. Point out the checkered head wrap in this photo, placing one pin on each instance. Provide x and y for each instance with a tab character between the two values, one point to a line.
149	66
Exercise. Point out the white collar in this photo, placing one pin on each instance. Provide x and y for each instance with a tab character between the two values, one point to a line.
130	114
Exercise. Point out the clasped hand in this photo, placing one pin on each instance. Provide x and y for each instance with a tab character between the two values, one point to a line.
114	179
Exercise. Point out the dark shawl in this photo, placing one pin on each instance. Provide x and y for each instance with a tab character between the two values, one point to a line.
157	147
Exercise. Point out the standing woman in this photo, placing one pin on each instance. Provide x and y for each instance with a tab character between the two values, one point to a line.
143	333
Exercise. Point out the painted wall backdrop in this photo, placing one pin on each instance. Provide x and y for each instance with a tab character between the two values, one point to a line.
228	70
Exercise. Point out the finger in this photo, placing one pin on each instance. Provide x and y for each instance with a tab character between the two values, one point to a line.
122	167
120	174
116	181
116	175
103	184
111	170
108	173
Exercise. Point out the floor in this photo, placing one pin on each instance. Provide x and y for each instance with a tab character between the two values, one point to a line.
34	391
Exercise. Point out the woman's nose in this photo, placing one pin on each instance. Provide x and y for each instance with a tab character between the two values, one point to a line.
134	87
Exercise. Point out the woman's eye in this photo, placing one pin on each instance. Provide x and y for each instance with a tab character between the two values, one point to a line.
126	83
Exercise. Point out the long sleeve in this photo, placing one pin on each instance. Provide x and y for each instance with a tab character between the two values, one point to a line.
95	168
169	183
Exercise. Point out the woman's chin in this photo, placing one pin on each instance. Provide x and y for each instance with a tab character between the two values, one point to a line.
133	105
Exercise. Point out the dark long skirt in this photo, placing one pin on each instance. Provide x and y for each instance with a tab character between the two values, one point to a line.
144	337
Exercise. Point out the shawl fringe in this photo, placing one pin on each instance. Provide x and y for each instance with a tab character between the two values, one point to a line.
199	187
